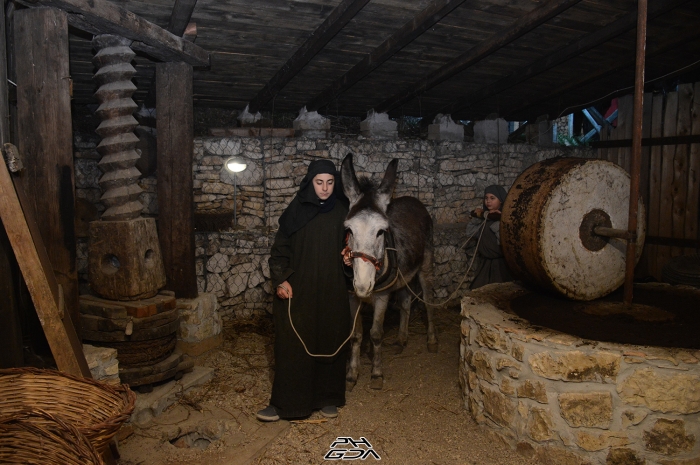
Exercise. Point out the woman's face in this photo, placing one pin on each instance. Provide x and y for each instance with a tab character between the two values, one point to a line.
492	203
323	185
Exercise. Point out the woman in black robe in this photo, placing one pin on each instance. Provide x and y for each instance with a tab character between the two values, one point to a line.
306	266
492	266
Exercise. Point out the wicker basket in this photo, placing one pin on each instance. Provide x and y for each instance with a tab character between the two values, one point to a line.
39	438
96	409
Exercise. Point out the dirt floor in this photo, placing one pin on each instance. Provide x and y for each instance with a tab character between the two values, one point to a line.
417	418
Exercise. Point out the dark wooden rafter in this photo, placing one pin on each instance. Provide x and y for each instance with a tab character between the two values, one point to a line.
404	36
497	41
612	30
179	19
104	17
336	20
533	104
181	16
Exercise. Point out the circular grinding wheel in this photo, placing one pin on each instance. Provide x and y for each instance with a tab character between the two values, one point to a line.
548	220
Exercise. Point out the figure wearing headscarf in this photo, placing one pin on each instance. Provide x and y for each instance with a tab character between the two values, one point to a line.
492	266
306	266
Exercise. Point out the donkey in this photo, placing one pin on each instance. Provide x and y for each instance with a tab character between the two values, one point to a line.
389	242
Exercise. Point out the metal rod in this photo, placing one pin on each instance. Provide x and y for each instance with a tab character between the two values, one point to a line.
635	162
235	205
612	232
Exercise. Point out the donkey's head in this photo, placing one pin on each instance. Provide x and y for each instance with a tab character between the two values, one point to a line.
367	222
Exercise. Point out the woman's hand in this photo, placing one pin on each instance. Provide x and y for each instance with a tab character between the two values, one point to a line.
284	290
346	256
478	212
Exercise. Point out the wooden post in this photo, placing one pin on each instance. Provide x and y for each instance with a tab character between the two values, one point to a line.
175	129
11	354
41	282
45	138
636	155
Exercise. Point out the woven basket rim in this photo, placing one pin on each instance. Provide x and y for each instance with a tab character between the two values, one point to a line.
26	425
98	431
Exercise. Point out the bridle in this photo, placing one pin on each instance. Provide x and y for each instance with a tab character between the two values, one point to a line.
349	253
387	269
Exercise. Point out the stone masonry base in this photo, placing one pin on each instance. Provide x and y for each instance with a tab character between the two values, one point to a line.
565	400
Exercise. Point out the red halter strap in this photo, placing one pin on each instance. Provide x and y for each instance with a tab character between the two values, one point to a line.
347	252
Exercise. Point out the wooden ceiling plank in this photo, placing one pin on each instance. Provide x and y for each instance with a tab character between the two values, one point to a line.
612	30
502	38
680	39
336	20
404	36
104	17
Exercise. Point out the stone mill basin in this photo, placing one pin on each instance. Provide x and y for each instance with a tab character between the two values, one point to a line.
598	382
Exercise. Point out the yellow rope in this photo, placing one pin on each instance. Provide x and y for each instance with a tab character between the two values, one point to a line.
466	274
352	331
354	322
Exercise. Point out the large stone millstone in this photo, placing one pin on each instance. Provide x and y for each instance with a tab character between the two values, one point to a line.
548	220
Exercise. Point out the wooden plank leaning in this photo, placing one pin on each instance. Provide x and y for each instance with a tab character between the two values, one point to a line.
35	267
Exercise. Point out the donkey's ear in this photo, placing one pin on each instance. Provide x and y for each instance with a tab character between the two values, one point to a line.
351	187
386	188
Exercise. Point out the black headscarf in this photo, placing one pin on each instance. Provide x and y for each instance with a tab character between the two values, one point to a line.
306	204
498	191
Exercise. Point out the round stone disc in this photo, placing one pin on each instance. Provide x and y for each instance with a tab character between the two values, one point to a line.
548	222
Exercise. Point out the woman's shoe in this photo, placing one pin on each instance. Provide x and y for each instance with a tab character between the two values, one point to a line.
329	411
268	414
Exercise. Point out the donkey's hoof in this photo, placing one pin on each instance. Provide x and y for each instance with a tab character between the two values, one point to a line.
377	382
398	348
433	348
350	384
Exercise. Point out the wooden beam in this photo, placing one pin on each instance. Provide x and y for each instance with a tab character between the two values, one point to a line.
175	198
612	30
672	241
45	138
398	40
648	141
11	351
336	20
29	250
494	43
533	103
181	16
104	17
179	19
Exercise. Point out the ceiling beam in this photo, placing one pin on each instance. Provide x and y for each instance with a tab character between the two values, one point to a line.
179	19
104	17
612	30
533	104
404	36
494	43
336	20
181	16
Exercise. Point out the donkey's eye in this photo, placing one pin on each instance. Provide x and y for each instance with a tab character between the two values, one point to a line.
380	232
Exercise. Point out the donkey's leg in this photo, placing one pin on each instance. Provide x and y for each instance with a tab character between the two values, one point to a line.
404	299
354	359
425	276
376	334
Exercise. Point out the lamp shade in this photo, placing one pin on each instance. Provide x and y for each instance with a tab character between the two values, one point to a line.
235	165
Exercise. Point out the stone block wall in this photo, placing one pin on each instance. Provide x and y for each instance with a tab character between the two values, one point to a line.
103	363
566	400
448	177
